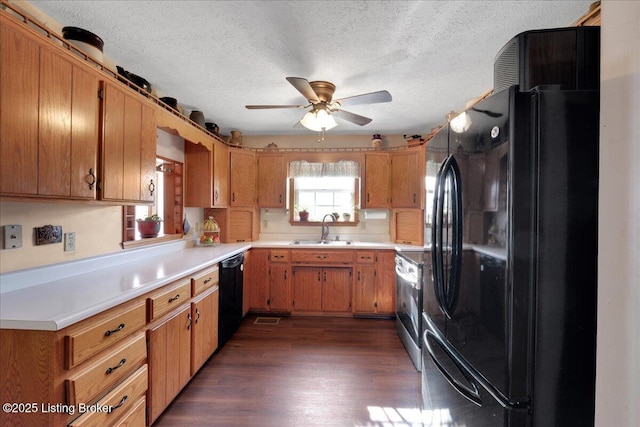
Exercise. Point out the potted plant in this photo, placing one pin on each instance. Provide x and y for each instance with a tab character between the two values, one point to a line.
149	226
303	214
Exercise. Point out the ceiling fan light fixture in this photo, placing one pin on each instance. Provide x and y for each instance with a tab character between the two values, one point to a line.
459	123
318	119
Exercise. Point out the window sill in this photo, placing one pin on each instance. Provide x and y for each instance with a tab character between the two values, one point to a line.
330	224
150	241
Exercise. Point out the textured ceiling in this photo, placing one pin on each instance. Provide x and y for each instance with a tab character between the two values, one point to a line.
218	56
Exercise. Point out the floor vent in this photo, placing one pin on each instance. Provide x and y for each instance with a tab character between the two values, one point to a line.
266	321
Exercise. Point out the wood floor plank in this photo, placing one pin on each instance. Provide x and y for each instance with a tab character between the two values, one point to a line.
303	371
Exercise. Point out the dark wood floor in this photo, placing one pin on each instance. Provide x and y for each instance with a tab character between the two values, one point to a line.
303	371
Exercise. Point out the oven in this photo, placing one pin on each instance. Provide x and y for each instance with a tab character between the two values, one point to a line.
409	272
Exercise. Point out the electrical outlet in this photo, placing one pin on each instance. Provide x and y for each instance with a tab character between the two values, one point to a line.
12	236
70	241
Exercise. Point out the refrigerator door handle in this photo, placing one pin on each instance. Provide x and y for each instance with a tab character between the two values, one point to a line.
472	393
436	239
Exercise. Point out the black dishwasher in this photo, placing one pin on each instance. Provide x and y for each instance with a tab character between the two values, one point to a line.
230	309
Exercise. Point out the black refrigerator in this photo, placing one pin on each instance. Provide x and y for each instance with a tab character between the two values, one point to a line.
509	336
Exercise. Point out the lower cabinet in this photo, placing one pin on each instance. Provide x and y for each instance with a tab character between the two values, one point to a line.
268	281
169	359
322	289
374	289
204	331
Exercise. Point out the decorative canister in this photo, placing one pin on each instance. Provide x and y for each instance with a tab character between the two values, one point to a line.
198	117
376	141
236	138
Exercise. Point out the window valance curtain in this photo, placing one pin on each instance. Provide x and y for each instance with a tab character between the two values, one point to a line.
341	169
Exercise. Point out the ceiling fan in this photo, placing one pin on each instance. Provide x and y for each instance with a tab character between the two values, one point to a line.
319	94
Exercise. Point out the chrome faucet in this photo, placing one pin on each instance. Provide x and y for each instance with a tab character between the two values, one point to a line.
325	227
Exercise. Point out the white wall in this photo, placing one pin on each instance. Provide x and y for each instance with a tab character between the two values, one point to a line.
618	350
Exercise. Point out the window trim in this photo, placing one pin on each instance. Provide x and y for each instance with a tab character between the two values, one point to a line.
296	222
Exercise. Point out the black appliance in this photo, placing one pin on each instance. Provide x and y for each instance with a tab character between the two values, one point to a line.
509	331
566	56
409	266
230	308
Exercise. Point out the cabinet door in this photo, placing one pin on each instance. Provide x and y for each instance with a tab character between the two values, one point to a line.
272	181
220	175
169	359
407	226
243	178
128	148
279	287
19	89
204	332
256	278
377	181
68	143
198	162
307	288
336	289
407	178
385	282
241	224
365	289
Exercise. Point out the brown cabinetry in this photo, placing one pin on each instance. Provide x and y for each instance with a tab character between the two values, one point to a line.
322	289
204	333
243	178
375	282
48	119
169	359
377	181
307	288
269	281
206	173
407	226
272	181
128	149
407	178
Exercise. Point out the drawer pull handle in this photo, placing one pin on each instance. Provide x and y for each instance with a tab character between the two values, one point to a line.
113	331
172	299
122	362
124	399
208	280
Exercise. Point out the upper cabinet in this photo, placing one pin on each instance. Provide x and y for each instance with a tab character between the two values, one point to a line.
407	178
49	113
207	175
243	178
377	181
272	181
128	149
67	130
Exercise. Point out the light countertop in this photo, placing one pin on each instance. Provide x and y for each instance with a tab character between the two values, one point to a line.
61	295
56	304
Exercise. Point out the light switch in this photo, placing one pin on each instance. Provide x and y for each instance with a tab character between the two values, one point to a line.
12	236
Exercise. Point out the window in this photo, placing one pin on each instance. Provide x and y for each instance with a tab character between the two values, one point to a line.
168	206
318	189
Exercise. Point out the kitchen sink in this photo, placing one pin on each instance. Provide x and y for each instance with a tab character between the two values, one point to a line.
322	242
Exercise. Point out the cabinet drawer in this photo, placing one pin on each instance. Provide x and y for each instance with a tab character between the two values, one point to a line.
322	257
119	402
96	334
365	257
167	299
136	417
279	256
102	374
204	280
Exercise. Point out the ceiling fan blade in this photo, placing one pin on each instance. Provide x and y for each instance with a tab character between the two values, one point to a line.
265	107
303	86
353	118
366	98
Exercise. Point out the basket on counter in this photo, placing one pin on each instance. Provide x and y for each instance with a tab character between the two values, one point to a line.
209	233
